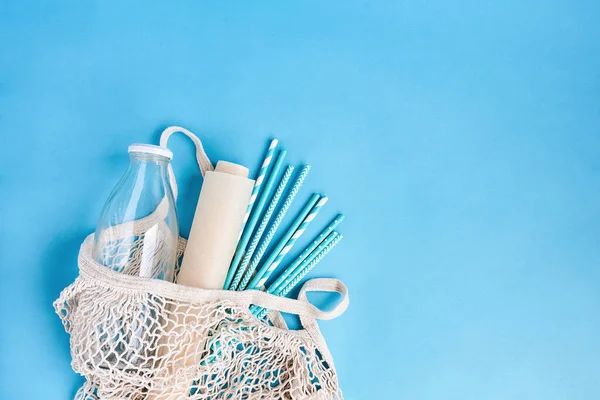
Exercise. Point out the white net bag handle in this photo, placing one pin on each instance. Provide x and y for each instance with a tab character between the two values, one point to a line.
302	307
201	158
310	324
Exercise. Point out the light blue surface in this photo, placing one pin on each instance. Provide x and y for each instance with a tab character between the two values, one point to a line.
460	138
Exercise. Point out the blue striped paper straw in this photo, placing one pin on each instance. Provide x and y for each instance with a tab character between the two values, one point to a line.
300	274
260	205
288	242
271	232
309	251
261	228
259	180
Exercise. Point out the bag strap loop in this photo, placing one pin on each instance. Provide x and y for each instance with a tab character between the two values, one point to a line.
309	323
327	285
201	158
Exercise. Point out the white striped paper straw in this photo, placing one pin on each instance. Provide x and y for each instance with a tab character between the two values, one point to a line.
259	180
274	226
308	253
260	205
265	272
261	228
295	280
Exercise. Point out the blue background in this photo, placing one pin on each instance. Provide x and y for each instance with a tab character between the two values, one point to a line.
460	138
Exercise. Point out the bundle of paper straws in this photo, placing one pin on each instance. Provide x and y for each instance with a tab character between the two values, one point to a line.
247	272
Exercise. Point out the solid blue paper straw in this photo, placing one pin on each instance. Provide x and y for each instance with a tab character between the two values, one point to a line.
255	190
241	272
266	193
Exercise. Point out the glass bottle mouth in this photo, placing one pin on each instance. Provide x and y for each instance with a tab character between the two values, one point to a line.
150	149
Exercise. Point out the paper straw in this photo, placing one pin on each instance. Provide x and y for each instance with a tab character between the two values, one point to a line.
300	274
309	251
259	180
260	205
286	244
292	241
332	237
261	228
271	232
290	272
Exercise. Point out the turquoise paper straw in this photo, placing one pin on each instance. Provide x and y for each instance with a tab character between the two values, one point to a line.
292	241
289	273
280	215
261	228
309	251
299	275
314	254
262	200
284	246
259	180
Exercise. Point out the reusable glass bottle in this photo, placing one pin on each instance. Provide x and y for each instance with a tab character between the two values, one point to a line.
137	232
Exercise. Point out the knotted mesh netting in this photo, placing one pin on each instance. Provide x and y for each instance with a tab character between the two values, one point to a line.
137	338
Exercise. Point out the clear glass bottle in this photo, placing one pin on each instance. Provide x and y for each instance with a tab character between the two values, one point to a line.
137	232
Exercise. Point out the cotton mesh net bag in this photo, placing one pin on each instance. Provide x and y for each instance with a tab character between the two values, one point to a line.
138	338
